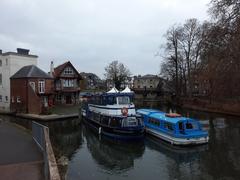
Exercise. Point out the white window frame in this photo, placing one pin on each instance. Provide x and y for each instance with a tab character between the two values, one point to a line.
68	83
68	70
18	99
32	84
41	86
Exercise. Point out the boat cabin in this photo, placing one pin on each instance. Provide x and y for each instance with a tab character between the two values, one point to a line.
177	126
112	99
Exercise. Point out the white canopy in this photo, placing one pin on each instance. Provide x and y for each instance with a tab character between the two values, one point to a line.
127	90
113	90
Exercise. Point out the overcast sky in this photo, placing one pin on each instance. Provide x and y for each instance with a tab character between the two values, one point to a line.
92	33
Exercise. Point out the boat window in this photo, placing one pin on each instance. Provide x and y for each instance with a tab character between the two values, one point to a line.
168	126
130	121
112	100
140	121
123	100
104	100
181	126
191	125
115	122
105	120
154	122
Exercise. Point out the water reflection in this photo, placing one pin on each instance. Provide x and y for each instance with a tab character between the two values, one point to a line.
113	156
66	136
177	153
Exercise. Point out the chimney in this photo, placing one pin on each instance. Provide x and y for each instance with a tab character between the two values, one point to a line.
51	68
23	51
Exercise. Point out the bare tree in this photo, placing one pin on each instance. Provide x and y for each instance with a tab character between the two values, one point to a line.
117	72
190	44
226	12
183	48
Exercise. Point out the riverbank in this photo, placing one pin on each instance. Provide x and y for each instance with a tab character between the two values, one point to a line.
58	113
227	108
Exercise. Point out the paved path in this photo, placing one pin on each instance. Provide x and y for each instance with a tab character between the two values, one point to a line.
20	158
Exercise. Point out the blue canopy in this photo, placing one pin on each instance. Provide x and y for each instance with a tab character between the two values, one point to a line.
156	114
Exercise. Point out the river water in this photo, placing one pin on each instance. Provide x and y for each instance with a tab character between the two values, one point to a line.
90	157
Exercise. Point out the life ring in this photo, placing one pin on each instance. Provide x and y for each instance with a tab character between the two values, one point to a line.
173	115
124	111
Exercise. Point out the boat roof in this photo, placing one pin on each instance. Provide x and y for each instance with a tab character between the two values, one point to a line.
113	90
127	90
148	111
156	114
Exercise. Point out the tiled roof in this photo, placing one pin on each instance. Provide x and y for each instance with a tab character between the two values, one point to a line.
58	70
31	71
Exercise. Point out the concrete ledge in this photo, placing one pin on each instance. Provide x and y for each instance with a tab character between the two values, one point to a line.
47	117
52	164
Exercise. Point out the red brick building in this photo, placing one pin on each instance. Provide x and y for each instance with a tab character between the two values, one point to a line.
66	83
31	91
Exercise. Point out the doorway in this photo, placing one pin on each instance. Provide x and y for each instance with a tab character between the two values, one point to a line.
68	99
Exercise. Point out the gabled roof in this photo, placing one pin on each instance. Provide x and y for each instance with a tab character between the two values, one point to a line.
59	69
31	71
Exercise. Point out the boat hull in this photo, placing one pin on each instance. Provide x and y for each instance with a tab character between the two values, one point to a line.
177	141
125	134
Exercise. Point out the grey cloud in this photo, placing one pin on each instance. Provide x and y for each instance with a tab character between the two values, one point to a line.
92	33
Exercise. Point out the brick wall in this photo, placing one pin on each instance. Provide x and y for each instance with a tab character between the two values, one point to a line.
28	91
34	101
18	89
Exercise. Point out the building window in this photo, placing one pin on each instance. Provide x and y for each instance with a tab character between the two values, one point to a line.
59	97
68	83
32	84
41	86
18	99
6	62
68	70
6	98
0	98
0	62
0	79
12	99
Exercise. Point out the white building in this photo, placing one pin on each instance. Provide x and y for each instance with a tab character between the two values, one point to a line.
10	63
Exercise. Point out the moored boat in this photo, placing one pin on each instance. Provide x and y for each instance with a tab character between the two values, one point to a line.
113	114
173	128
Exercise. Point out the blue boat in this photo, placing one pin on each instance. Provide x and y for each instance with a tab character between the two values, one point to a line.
173	128
113	114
